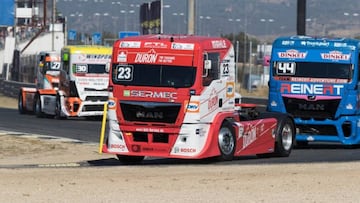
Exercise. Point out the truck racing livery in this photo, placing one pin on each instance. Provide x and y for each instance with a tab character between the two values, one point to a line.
316	80
174	96
81	84
47	82
83	81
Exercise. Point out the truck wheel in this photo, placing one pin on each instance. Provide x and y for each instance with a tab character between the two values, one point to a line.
58	109
130	159
38	107
21	108
226	142
285	137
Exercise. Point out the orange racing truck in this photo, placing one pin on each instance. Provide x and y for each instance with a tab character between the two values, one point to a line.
47	82
76	88
174	96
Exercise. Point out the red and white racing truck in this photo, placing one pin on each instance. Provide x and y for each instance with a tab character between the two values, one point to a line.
174	96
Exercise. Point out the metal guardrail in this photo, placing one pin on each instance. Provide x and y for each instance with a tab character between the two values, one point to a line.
11	88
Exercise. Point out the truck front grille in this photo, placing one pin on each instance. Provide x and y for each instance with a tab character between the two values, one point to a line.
156	137
160	112
93	107
55	84
96	98
320	109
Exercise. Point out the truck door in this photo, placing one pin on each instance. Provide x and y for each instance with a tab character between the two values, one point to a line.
40	71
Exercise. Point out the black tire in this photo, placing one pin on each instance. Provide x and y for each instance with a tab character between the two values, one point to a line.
285	137
130	159
58	109
226	142
38	107
21	107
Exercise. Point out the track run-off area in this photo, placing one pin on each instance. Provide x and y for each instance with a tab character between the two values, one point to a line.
44	159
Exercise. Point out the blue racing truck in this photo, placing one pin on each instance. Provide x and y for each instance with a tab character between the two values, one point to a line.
316	80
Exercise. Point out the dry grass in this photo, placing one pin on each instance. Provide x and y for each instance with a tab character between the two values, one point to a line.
261	91
8	102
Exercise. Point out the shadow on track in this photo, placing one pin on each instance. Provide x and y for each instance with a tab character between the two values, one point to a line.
311	153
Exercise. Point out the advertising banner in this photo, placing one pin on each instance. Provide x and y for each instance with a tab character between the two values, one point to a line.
7	13
96	38
128	34
72	34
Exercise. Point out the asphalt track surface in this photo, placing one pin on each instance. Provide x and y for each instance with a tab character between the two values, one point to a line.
88	131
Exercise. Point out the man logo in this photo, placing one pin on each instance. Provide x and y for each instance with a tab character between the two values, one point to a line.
312	98
149	115
312	107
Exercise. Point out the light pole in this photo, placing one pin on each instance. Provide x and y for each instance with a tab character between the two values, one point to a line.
114	20
352	16
77	23
134	21
162	16
307	26
202	25
125	12
234	21
178	17
348	14
99	25
78	17
267	22
105	15
97	15
201	18
126	9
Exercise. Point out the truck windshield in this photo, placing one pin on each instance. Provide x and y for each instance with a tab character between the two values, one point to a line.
89	68
313	70
153	75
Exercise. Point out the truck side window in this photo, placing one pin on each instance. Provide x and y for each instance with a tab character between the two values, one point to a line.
214	72
47	66
42	58
41	64
66	67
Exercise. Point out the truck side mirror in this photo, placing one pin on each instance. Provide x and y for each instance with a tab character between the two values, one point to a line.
107	67
207	64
